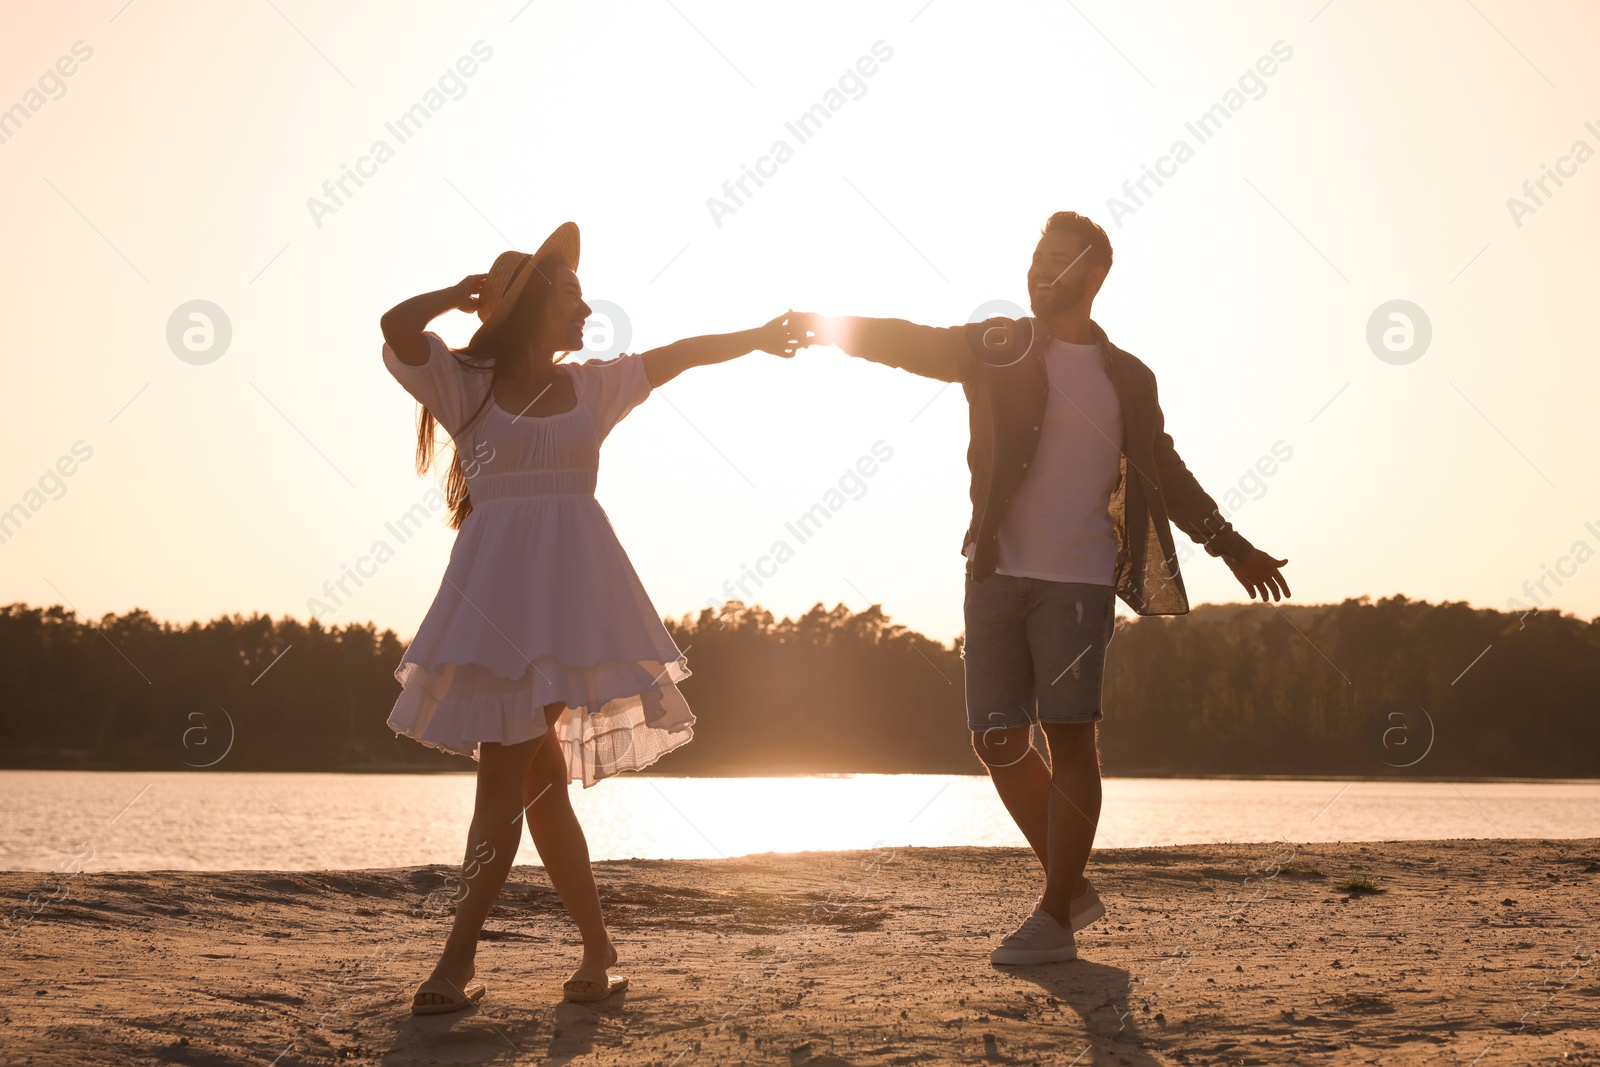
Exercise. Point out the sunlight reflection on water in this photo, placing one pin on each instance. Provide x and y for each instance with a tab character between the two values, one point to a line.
215	821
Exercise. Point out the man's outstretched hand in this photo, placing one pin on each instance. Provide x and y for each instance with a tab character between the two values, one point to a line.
1260	574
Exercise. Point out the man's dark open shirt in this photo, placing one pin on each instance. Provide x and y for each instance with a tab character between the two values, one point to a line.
1000	365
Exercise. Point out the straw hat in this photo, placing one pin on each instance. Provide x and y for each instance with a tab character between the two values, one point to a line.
511	271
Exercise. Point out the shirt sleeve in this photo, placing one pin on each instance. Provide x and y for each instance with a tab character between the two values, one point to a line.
942	353
442	385
612	388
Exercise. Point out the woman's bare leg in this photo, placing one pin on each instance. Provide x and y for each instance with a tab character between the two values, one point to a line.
563	849
491	846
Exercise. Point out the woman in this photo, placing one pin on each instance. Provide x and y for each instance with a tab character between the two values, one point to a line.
541	657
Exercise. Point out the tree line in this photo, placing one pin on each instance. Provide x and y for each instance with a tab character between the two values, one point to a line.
1392	687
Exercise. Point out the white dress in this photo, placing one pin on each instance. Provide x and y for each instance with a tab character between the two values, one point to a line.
539	603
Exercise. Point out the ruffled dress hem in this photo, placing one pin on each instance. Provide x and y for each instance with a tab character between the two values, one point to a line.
619	716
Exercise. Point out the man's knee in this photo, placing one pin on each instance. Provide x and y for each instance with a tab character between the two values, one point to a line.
1073	743
1000	747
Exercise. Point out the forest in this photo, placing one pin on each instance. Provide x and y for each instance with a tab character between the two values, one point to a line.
1394	687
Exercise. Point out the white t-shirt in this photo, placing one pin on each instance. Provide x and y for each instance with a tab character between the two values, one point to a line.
1058	524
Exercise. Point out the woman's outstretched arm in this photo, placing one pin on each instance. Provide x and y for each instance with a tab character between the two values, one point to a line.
403	323
663	364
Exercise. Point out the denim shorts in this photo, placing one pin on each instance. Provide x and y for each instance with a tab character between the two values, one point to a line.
1035	650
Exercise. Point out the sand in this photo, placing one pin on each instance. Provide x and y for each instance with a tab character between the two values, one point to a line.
1477	952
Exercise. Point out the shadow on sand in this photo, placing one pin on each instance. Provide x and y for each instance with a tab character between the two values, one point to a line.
1100	995
501	1036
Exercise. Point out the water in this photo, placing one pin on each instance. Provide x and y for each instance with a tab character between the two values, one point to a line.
188	821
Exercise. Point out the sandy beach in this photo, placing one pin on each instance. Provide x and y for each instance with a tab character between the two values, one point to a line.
1475	952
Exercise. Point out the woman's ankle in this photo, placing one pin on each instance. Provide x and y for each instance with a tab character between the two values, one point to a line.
455	968
599	948
458	957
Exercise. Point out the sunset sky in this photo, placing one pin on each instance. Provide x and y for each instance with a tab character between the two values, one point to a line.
1438	153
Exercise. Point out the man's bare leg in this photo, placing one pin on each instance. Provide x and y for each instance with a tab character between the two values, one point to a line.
1023	780
1074	807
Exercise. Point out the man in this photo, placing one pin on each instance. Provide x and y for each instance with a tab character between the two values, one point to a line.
1074	483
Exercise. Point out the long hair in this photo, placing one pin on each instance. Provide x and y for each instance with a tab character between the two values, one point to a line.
489	352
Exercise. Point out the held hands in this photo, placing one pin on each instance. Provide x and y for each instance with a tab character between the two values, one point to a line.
792	331
813	329
780	336
1259	573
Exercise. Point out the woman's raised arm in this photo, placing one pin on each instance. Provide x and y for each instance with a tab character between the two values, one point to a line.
403	324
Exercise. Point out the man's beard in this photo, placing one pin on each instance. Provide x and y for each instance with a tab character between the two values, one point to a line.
1057	297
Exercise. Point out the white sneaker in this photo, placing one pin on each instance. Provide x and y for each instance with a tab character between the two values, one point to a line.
1040	939
1085	909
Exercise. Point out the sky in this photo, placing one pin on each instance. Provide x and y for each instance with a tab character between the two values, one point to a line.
1354	265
